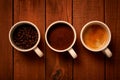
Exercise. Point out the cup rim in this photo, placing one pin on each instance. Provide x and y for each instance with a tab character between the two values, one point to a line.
99	23
46	33
20	49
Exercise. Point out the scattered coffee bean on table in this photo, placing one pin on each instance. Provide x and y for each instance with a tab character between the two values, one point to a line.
25	36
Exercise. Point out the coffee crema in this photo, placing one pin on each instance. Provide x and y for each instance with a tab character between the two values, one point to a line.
95	36
60	36
25	36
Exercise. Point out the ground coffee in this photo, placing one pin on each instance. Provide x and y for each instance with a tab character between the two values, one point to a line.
60	36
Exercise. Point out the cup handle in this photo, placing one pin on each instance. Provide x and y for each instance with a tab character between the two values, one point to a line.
72	53
38	52
107	52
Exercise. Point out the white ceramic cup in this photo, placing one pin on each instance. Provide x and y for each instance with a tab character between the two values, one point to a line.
69	49
103	47
35	48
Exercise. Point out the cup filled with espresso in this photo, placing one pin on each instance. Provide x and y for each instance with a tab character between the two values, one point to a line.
24	36
60	36
96	36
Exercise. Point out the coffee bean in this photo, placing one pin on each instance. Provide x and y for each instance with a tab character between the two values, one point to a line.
25	36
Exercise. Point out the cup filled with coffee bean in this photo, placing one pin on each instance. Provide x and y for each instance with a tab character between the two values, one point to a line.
96	36
60	36
24	36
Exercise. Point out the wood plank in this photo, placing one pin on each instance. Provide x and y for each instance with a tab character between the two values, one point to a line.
88	65
28	66
6	65
58	65
112	18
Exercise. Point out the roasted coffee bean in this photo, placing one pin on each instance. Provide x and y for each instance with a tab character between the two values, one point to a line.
25	36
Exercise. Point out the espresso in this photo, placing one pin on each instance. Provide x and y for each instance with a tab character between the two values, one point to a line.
25	36
60	36
95	36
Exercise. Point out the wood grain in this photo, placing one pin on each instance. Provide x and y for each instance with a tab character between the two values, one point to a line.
112	18
15	65
88	65
6	64
28	66
58	65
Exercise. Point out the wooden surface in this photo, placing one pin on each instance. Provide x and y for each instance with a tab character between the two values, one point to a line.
15	65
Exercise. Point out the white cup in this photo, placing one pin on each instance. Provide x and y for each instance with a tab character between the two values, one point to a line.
69	49
96	39
35	48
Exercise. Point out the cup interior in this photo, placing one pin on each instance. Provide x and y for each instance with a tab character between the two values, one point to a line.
95	36
60	36
24	36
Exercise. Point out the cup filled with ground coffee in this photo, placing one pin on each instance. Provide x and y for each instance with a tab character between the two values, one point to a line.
95	36
24	36
60	36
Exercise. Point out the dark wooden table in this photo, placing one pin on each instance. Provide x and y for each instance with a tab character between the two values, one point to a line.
15	65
